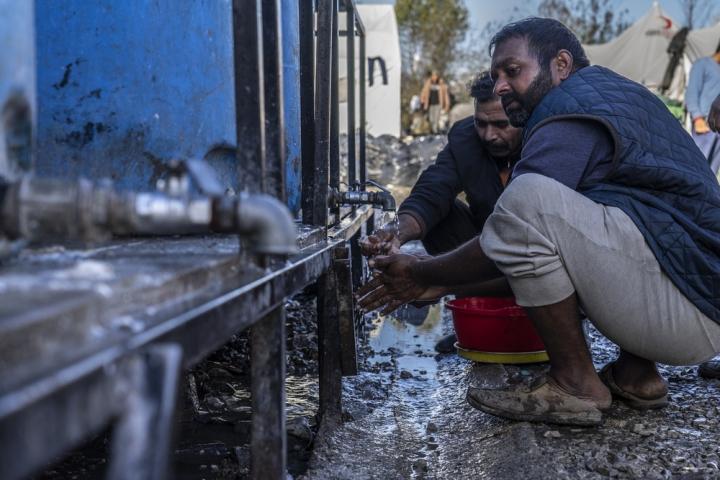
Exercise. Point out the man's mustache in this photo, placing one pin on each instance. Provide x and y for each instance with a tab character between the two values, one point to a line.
507	99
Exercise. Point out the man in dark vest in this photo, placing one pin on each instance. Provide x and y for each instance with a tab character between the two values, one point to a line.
476	161
611	208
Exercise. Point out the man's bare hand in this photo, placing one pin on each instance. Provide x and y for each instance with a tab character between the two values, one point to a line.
381	242
392	284
714	115
700	125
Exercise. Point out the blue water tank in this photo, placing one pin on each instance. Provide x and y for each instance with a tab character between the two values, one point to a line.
123	87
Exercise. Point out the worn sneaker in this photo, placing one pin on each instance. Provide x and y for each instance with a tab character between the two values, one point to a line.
545	401
446	344
709	369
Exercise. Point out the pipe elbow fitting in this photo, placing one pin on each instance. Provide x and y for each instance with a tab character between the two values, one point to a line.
387	201
267	223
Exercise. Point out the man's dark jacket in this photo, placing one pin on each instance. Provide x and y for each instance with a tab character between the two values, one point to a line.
659	177
462	166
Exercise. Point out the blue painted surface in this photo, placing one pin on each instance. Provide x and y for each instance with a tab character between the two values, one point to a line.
125	86
17	71
291	100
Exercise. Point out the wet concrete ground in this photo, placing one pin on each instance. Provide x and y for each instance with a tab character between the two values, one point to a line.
408	418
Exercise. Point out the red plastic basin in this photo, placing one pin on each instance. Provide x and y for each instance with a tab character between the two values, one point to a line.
490	324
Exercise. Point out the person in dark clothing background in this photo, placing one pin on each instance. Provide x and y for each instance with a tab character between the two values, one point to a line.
435	100
477	160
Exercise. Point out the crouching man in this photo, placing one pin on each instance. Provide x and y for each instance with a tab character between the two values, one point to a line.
611	207
477	161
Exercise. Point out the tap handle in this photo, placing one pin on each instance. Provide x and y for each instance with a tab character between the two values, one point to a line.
376	185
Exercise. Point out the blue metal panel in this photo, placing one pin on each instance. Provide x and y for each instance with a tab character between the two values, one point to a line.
291	92
125	86
17	86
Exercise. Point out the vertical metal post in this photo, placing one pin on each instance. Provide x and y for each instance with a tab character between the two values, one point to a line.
329	363
142	437
323	87
350	51
274	178
357	263
357	260
342	264
363	130
268	446
335	110
249	93
292	113
307	109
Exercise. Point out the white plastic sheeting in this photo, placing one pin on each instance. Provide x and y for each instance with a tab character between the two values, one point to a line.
382	48
640	52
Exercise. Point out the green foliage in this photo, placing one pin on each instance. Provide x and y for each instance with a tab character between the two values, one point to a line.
675	107
593	21
431	31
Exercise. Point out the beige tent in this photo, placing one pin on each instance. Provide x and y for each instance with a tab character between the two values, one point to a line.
640	52
702	42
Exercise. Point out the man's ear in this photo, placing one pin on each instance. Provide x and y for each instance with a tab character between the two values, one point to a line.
564	64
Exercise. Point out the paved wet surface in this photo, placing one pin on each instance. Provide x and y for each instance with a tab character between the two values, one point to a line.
407	418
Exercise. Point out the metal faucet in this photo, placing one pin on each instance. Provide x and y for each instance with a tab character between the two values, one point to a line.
35	209
356	196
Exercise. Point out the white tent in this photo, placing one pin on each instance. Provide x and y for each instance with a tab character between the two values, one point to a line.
382	48
702	42
640	52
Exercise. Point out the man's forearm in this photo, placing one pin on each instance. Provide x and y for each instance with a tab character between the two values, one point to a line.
467	264
409	228
498	287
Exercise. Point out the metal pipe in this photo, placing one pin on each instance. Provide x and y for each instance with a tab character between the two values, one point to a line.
335	107
267	223
307	110
274	178
323	89
350	39
363	129
36	209
249	94
380	199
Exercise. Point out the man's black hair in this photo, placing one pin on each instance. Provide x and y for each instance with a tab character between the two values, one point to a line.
545	38
481	88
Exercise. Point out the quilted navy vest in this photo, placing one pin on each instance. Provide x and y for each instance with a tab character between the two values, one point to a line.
659	178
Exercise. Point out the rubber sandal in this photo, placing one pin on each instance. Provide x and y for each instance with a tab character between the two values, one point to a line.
543	402
631	400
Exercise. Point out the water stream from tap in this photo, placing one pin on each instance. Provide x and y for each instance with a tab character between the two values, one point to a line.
391	223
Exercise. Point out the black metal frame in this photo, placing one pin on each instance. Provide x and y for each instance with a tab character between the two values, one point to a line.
132	381
336	317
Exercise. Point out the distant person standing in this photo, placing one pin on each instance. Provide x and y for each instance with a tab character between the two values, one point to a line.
435	100
703	88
